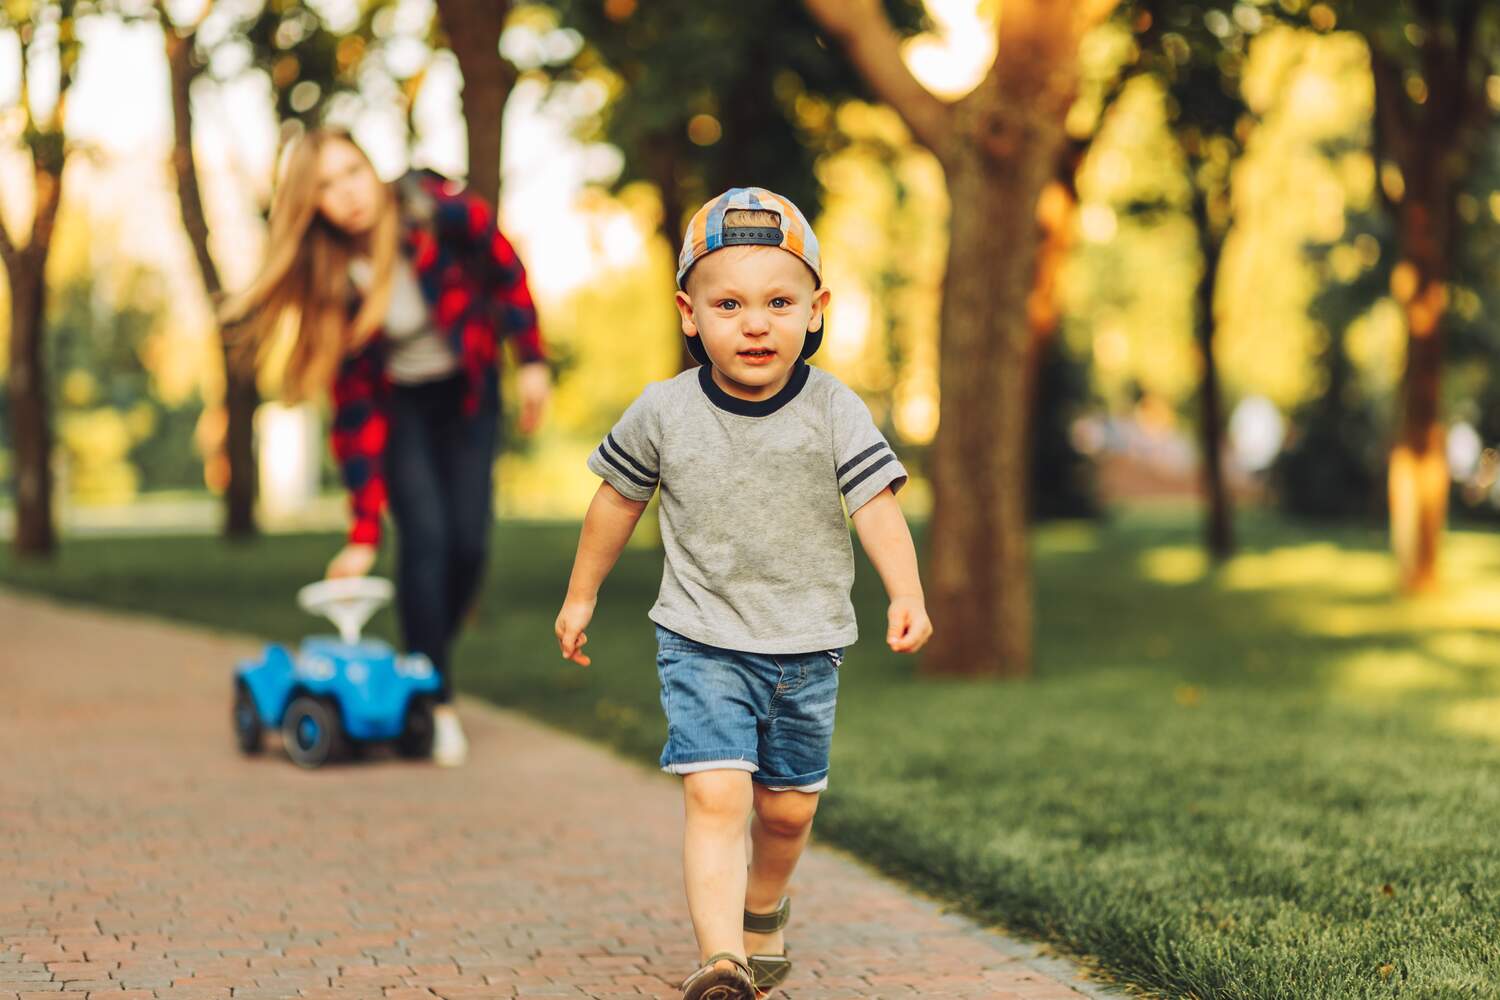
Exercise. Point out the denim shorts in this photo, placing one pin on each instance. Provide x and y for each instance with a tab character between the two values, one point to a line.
769	715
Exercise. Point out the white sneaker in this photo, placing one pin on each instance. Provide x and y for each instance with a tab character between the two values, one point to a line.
450	748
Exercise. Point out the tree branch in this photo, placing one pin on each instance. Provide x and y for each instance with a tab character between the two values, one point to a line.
48	186
1472	106
7	245
862	30
181	73
1392	119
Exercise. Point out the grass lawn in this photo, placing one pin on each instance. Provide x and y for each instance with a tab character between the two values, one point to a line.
1269	780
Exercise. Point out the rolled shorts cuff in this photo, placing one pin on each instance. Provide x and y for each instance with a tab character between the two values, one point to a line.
815	781
711	760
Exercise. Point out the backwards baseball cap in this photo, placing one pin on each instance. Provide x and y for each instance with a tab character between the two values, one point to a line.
707	233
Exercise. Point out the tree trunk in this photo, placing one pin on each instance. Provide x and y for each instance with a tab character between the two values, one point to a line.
1436	144
1218	533
240	394
473	31
31	431
1418	475
1056	211
981	587
999	149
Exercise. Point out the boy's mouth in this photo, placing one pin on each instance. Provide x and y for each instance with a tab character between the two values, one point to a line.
757	355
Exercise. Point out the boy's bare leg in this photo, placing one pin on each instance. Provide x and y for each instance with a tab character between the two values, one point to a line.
717	804
778	834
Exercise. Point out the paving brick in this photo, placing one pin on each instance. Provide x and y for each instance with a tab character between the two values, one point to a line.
162	865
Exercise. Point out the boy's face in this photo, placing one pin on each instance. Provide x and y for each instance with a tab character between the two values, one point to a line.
753	306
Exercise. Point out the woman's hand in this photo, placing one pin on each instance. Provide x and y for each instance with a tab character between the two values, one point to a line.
571	621
534	383
353	559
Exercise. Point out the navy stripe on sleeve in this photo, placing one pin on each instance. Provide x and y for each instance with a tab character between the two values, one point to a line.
644	483
867	473
860	458
626	456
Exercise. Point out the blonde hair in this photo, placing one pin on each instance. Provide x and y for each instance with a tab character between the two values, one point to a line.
752	217
304	278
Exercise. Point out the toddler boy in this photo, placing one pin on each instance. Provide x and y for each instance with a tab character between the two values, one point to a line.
757	456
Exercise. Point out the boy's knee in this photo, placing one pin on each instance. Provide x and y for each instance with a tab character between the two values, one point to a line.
786	814
722	795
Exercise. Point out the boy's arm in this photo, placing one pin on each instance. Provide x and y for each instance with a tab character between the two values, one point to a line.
887	541
606	528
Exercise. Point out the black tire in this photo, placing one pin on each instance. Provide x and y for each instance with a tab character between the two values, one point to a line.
312	731
248	731
416	732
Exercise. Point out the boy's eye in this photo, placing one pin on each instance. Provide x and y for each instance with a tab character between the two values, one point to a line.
780	302
727	304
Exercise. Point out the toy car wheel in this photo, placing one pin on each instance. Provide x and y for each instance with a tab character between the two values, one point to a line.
247	727
312	731
416	731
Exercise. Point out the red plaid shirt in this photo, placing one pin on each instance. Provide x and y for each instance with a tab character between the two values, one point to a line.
476	288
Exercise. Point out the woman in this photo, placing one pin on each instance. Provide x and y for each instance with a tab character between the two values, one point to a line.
398	297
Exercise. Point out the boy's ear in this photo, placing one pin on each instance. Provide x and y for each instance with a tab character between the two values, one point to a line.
819	303
685	308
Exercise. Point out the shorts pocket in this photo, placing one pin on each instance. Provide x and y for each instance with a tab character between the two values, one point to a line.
837	656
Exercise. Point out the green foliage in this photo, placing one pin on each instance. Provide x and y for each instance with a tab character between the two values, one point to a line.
1270	781
711	96
314	59
115	434
1334	464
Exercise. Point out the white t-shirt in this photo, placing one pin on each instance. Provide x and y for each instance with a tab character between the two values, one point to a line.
418	350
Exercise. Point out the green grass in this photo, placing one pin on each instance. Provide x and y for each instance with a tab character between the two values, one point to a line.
1266	781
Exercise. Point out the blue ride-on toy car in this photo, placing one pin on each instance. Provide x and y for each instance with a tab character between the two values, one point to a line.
335	694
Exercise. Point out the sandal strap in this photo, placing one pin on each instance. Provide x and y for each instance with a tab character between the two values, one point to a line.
769	923
723	956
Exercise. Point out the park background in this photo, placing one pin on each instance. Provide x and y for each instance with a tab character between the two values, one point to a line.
1224	727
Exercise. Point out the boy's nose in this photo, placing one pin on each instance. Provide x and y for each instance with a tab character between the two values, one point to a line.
754	323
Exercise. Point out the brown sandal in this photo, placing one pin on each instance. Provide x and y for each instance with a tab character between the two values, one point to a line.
769	971
710	983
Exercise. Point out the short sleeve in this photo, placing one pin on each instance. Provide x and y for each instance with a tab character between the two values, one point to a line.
864	460
627	458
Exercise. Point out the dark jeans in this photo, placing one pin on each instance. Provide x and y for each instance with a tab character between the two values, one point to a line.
438	465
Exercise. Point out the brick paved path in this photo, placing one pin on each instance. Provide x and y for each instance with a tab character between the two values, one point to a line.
142	857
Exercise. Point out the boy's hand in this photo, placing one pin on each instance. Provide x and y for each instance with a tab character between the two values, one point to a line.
571	621
910	628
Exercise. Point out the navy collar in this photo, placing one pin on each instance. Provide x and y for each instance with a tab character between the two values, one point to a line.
753	408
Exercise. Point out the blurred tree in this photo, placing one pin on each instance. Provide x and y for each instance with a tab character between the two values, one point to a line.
1197	51
1060	478
1434	64
999	148
184	64
115	435
472	32
713	97
1333	461
309	63
47	35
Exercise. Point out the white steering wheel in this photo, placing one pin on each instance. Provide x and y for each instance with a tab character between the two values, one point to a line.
348	602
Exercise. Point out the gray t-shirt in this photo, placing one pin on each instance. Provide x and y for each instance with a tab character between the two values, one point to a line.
758	556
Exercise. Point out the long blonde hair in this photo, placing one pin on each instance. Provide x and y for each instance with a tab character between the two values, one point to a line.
304	279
